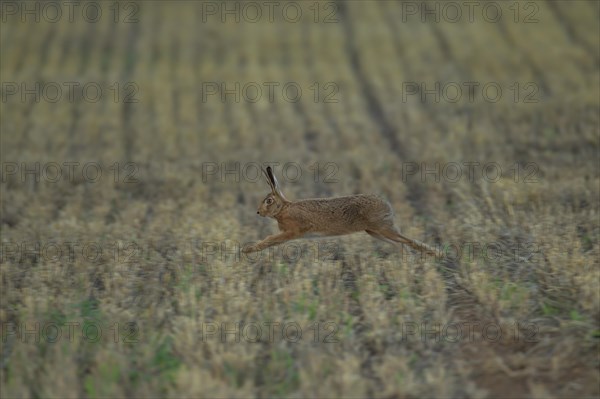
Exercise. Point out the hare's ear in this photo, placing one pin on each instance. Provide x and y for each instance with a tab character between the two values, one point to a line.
274	183
269	180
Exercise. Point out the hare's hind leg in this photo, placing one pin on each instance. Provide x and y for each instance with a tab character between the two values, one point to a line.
375	234
393	234
390	234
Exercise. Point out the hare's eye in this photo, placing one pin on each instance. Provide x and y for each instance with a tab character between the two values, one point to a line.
269	201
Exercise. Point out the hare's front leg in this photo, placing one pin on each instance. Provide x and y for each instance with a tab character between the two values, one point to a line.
271	240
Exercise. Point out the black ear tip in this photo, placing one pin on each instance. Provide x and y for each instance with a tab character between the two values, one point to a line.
269	169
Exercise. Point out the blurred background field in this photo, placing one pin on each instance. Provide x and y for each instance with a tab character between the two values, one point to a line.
141	242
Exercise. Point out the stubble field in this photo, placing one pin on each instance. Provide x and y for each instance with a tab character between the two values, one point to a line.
124	206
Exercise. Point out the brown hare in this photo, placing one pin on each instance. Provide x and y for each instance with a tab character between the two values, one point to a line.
330	217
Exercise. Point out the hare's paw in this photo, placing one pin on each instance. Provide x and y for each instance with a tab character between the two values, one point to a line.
250	248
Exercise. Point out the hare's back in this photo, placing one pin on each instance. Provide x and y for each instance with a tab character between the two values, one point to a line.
355	212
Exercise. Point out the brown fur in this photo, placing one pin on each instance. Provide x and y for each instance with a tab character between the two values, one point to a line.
330	217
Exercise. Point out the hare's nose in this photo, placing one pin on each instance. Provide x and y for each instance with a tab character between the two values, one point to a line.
257	212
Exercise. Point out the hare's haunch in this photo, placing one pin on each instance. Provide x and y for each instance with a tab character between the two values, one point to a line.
330	217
